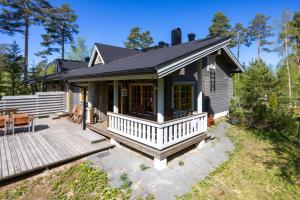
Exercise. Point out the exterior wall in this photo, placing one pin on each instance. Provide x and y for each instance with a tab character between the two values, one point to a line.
219	100
213	102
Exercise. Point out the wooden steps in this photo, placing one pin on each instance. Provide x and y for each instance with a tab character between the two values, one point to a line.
91	136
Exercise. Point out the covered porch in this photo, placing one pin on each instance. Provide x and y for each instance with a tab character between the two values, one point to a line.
148	113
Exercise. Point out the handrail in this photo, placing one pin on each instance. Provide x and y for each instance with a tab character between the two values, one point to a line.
154	134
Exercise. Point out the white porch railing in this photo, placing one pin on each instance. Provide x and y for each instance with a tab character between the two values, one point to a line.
157	135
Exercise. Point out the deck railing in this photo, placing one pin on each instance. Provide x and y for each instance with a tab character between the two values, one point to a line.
157	135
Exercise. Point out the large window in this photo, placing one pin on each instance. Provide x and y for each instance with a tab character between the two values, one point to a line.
142	98
183	97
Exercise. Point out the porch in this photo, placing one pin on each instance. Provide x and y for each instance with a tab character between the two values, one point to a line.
158	116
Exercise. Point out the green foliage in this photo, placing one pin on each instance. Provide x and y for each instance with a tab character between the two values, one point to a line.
261	103
181	163
18	15
143	167
260	31
80	181
138	40
13	70
126	183
239	37
220	25
60	27
79	50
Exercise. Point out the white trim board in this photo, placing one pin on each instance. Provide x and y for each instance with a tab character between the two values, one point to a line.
234	59
95	50
221	114
168	69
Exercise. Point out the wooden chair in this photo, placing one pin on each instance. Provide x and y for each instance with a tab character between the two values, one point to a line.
21	120
78	115
75	107
3	123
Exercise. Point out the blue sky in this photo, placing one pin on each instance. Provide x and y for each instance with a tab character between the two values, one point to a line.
109	21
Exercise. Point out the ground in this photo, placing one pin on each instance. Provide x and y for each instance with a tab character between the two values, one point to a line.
182	173
262	166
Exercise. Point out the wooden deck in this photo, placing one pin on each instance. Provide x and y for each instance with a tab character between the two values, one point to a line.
58	142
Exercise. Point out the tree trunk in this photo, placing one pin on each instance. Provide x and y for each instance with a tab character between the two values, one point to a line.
258	48
63	43
26	48
287	63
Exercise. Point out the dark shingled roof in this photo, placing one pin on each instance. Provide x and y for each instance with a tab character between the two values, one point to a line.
146	61
64	65
112	53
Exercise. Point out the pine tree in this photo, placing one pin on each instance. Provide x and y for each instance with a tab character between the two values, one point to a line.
295	24
18	15
260	31
138	40
220	25
285	42
79	51
60	28
13	66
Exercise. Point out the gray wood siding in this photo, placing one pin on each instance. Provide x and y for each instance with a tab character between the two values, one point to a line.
213	102
219	100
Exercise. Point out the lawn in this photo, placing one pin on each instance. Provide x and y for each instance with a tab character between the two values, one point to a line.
80	181
263	166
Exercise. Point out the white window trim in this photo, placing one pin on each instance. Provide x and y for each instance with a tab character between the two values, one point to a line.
183	83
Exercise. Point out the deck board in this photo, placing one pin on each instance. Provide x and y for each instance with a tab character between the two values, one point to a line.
25	152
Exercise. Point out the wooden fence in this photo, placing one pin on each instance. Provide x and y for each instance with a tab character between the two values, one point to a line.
40	104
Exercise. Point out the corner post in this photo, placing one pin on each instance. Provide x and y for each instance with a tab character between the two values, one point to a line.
160	100
199	86
116	96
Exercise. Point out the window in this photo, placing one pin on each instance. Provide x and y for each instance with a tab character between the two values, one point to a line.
212	80
142	98
183	97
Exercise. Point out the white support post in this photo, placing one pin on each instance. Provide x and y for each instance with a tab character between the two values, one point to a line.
160	100
114	142
116	96
201	144
91	93
160	164
91	96
199	86
68	98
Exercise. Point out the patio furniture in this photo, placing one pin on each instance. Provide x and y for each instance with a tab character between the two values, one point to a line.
3	123
21	120
76	114
75	107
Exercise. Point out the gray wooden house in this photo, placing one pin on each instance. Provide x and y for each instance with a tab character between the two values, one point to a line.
157	100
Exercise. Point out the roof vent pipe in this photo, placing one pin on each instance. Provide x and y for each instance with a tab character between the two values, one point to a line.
191	36
176	36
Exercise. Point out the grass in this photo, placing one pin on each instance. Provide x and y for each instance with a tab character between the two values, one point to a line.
80	181
143	167
263	166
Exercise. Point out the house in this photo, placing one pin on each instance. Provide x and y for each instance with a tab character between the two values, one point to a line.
156	100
